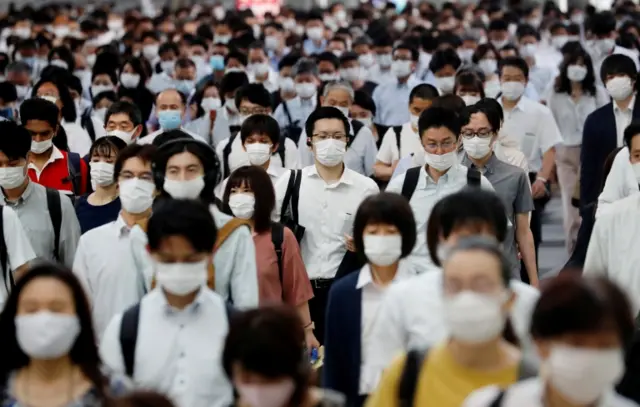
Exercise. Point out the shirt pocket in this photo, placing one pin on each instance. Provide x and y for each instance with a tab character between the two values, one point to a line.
528	143
343	223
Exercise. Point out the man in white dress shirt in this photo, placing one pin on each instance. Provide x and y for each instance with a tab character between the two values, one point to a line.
170	108
172	341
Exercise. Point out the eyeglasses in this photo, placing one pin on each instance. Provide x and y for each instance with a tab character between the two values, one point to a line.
446	145
482	133
334	136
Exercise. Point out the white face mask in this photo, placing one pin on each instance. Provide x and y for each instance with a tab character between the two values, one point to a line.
98	89
465	54
385	60
315	33
440	162
242	205
512	90
11	177
488	66
271	42
328	77
474	318
209	104
619	87
576	73
350	74
343	110
46	335
382	250
492	88
167	66
401	68
445	83
330	152
367	121
136	195
39	147
182	278
414	121
306	90
528	50
102	173
150	51
582	375
558	41
100	113
477	147
126	136
259	153
367	60
129	80
499	44
190	189
266	395
470	99
259	69
287	84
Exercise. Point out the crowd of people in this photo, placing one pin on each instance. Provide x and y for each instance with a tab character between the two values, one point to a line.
337	207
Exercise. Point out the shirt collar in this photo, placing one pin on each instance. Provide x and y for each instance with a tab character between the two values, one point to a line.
489	166
192	308
445	178
629	107
25	195
519	106
273	170
364	277
346	177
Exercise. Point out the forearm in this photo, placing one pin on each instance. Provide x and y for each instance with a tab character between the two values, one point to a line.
383	171
303	312
524	237
548	164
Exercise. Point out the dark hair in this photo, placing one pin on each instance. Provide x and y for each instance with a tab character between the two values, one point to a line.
491	114
138	67
630	132
269	341
570	304
167	136
127	108
489	245
68	106
469	208
451	102
8	92
388	209
65	54
436	117
492	104
83	353
231	82
415	55
39	109
443	57
257	180
104	146
260	124
423	91
15	140
242	58
617	64
362	99
289	60
483	50
468	81
185	63
145	152
325	112
498	25
515	62
602	23
254	93
563	84
188	218
143	398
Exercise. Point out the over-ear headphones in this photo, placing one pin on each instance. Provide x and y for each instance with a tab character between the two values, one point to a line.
203	151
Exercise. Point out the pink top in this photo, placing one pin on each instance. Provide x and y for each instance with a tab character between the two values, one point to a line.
295	281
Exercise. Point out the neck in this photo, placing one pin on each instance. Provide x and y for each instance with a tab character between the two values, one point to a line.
553	398
357	84
509	104
624	103
50	370
330	174
403	79
531	61
317	42
480	162
131	219
106	192
576	87
383	275
266	165
39	159
180	301
15	193
435	174
477	356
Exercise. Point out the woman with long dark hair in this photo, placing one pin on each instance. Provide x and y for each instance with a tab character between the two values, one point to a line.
134	78
50	357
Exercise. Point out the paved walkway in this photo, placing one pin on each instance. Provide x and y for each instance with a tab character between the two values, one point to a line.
552	254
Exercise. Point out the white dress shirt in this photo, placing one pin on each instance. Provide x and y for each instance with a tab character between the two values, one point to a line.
532	125
239	157
411	317
327	212
178	352
528	393
105	265
148	139
621	182
19	250
78	139
274	172
410	143
623	119
613	250
570	115
425	196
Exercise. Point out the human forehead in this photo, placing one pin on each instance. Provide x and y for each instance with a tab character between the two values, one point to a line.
183	159
328	125
169	98
438	134
471	264
478	121
136	165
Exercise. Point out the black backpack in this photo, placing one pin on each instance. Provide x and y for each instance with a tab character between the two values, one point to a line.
293	130
226	152
55	213
87	124
277	238
75	173
413	174
289	211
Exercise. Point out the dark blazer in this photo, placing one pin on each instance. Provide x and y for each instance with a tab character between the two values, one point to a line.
342	347
599	139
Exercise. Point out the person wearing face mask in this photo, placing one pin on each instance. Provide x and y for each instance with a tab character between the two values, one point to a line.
162	77
102	81
124	121
103	205
480	126
259	68
583	357
274	42
539	75
468	87
150	46
328	67
314	28
292	114
481	348
134	78
207	118
199	56
381	71
533	126
280	377
444	65
384	233
105	252
486	59
170	108
253	99
439	175
327	190
18	73
361	154
189	169
603	28
364	110
249	195
498	34
52	346
184	76
405	59
574	96
287	83
352	71
180	234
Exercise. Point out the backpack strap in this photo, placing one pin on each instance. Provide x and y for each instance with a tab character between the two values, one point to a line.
226	152
410	182
287	113
281	149
87	124
357	126
473	177
398	131
226	231
55	213
409	378
75	172
277	238
497	402
129	337
295	196
4	255
287	195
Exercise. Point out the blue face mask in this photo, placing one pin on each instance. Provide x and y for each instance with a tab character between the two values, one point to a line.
217	62
185	86
169	119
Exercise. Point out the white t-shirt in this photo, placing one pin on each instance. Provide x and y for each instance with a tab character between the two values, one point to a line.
409	144
19	250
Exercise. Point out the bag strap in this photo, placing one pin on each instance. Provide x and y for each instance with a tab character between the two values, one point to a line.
226	152
129	337
295	196
87	124
55	213
281	149
277	238
287	195
410	182
497	402
75	172
473	177
226	231
409	377
285	108
4	255
398	131
526	370
357	126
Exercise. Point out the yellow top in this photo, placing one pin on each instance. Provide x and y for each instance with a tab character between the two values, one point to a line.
442	382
